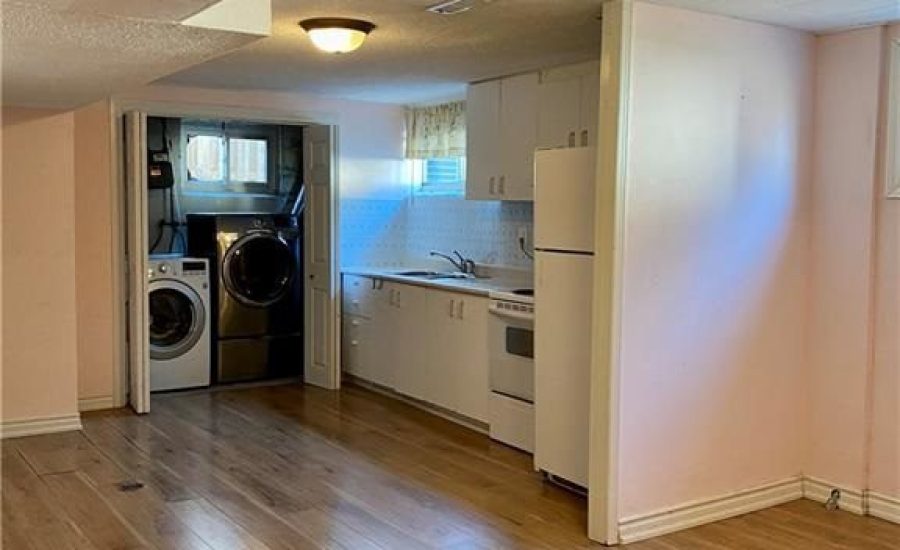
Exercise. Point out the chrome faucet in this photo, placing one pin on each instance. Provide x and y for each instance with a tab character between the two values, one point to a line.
461	263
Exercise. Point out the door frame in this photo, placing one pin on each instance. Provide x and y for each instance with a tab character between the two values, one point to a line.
122	248
611	242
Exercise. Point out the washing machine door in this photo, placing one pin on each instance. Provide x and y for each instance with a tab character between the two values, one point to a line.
177	319
258	269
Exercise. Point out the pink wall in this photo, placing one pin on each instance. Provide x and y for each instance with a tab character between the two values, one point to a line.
94	227
884	447
39	329
854	316
716	260
847	83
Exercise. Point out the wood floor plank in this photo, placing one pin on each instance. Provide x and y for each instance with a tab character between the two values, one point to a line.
87	509
488	504
139	466
286	467
208	480
392	459
31	516
417	510
215	527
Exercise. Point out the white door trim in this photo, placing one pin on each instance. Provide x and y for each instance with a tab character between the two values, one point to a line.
611	197
118	107
136	223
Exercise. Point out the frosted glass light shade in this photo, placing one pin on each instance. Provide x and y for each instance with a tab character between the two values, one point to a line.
335	35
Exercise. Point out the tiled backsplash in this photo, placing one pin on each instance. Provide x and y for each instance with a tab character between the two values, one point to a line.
383	233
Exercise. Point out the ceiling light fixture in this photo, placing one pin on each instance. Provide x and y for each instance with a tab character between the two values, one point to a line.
337	34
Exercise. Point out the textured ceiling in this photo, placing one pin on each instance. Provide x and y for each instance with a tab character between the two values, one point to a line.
160	10
808	15
55	54
413	55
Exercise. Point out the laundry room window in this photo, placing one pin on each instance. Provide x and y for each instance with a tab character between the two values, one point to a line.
228	160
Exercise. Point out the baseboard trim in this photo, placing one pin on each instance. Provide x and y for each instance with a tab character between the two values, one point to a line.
38	426
819	490
436	410
883	506
96	404
709	510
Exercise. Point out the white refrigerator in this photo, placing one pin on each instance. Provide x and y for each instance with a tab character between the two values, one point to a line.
564	258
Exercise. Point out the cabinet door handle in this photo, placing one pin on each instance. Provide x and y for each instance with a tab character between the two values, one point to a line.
397	298
459	309
452	308
571	139
355	323
502	186
354	342
491	185
584	138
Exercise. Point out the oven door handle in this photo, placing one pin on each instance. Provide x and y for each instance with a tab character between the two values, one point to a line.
522	316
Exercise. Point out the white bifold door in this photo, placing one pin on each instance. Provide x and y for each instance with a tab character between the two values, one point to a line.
321	363
135	130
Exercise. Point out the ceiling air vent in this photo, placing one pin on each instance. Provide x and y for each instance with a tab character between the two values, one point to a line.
452	7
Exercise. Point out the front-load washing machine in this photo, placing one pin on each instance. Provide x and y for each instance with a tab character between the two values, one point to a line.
179	322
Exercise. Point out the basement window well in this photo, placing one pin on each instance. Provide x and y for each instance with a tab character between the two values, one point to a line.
223	160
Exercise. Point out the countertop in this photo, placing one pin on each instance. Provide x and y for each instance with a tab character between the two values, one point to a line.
496	280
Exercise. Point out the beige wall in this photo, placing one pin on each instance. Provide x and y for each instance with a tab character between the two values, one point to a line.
39	329
94	273
715	257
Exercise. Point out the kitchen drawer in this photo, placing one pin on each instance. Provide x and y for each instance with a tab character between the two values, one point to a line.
360	296
352	344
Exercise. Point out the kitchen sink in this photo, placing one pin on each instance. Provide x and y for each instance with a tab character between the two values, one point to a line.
416	273
431	275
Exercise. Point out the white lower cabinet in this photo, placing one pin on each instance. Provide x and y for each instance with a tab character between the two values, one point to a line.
404	339
427	344
459	353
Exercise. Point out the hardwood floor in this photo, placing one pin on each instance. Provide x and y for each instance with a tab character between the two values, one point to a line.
293	467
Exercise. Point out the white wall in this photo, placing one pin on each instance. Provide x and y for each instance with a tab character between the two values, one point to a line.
378	233
715	258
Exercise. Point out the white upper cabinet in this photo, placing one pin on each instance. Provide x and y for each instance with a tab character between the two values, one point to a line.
508	118
482	140
501	129
518	136
568	106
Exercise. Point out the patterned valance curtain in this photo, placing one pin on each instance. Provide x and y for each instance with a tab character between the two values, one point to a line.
436	131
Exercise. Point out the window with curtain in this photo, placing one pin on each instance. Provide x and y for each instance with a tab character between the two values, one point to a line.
436	147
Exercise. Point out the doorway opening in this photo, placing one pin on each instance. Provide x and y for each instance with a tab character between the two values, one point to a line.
230	264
